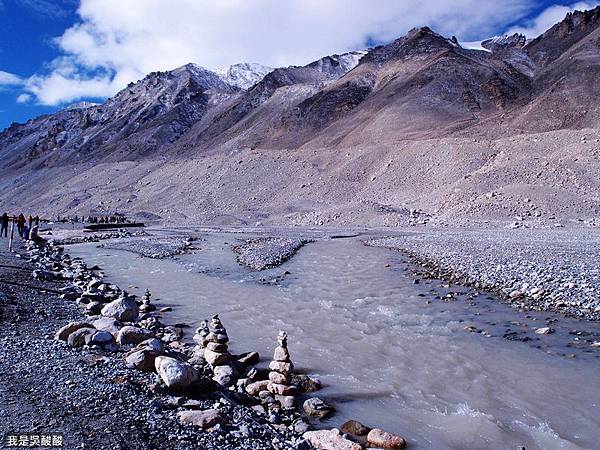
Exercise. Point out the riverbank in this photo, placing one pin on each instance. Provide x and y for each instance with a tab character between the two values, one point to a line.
533	270
87	395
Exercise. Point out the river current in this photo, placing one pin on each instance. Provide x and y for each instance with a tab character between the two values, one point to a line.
390	351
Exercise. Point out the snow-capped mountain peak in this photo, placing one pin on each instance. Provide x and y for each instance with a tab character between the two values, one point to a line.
243	75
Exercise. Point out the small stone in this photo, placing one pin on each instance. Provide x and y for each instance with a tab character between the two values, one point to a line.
151	344
256	387
216	359
202	419
383	439
278	378
216	347
223	375
330	440
544	330
286	401
281	354
281	389
217	338
315	407
305	383
282	367
355	428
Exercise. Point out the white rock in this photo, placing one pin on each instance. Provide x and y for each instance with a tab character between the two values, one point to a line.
329	440
174	373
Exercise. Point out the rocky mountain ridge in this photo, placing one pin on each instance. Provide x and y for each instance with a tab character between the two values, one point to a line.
390	101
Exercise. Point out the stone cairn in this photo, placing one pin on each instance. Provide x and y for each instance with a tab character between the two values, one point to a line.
216	351
146	306
281	367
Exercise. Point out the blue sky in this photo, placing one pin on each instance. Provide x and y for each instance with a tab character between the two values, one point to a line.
56	52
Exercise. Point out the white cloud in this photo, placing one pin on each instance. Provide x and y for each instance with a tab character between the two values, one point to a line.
24	98
118	41
548	18
9	79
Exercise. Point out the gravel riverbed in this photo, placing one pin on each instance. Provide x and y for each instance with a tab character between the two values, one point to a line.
152	247
546	270
267	252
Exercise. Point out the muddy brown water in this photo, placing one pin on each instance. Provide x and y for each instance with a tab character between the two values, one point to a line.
390	352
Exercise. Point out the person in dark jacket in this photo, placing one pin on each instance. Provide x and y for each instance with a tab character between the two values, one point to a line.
21	224
4	228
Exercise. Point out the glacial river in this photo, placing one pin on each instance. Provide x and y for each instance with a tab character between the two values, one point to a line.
390	352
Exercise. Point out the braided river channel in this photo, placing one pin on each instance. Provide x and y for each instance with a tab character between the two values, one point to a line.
390	350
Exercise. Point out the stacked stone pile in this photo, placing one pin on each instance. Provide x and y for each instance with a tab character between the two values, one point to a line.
146	306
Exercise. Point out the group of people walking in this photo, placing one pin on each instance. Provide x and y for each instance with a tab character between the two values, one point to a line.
24	225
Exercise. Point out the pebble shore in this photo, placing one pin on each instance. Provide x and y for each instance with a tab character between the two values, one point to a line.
543	270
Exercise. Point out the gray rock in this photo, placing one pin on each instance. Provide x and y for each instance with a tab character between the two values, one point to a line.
130	335
64	332
315	407
107	324
123	309
81	337
143	360
102	338
202	419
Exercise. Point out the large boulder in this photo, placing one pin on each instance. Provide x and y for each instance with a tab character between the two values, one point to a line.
174	373
102	338
383	439
81	337
202	419
64	332
129	335
107	324
143	360
329	440
124	309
